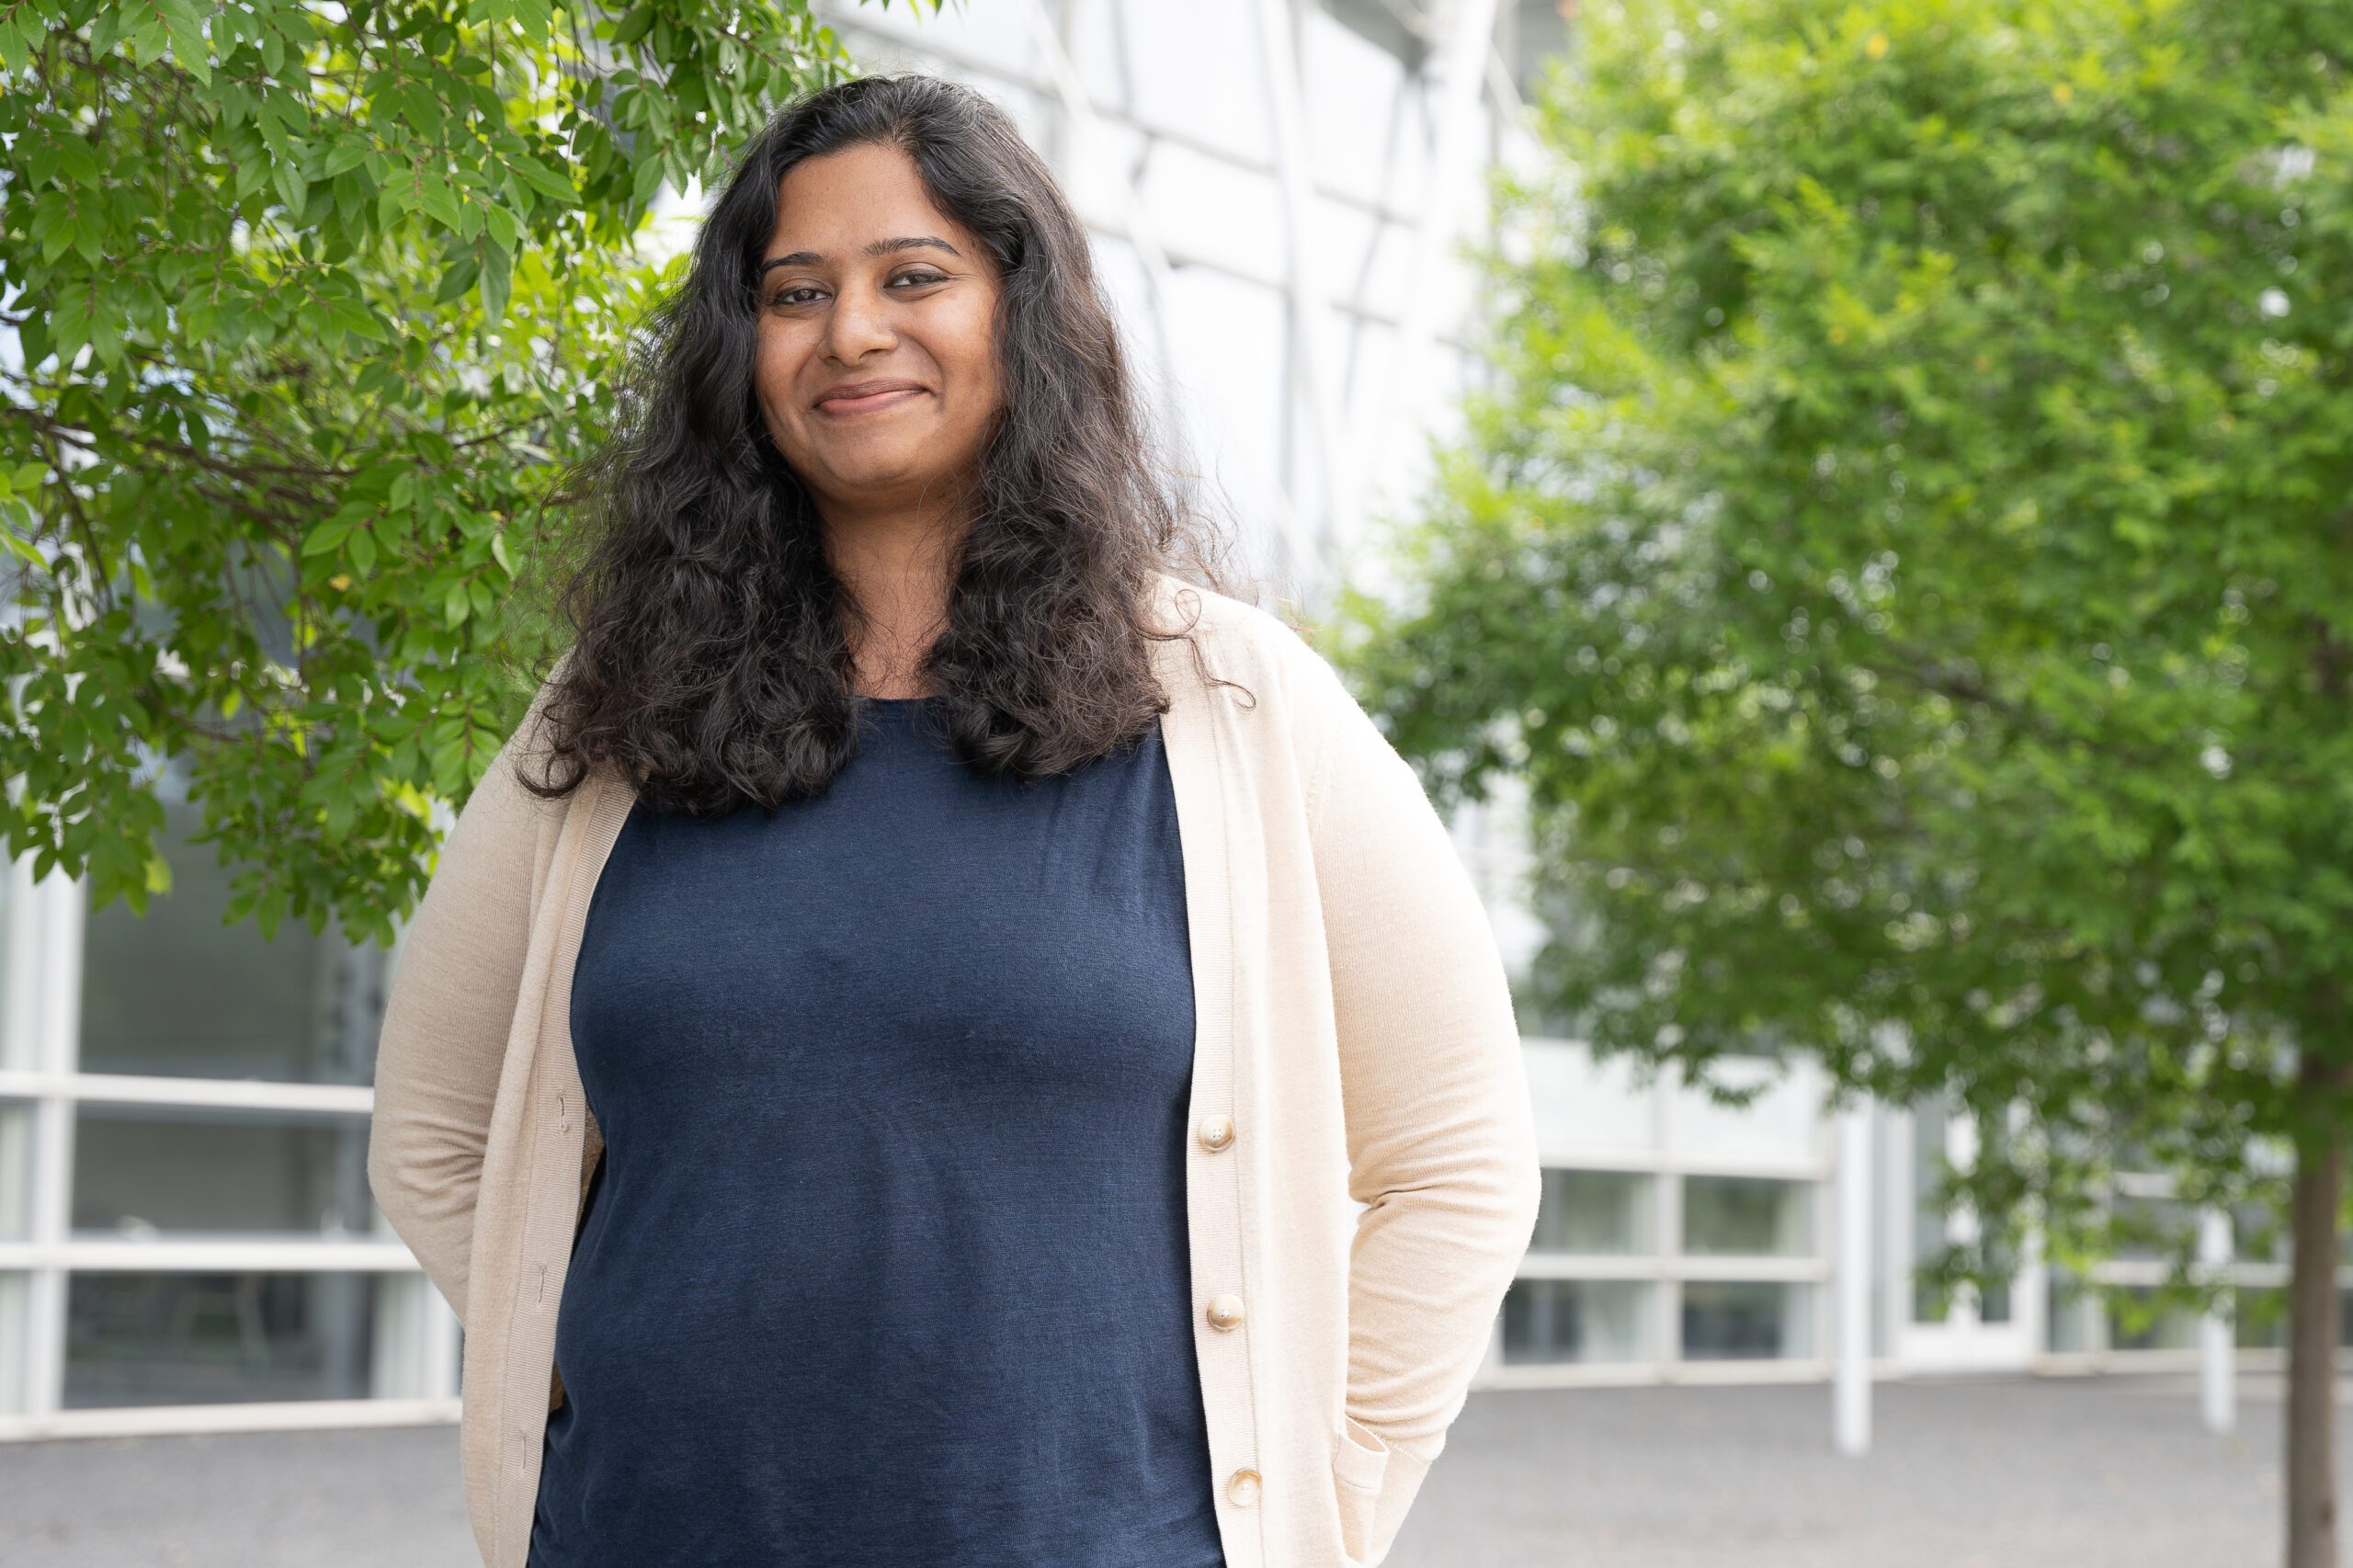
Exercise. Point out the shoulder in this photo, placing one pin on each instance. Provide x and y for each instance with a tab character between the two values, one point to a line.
1297	707
1244	642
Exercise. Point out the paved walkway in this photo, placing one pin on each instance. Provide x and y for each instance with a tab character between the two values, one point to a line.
2108	1472
2111	1473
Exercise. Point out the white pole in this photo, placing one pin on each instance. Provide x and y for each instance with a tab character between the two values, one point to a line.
2217	1355
1851	1380
58	911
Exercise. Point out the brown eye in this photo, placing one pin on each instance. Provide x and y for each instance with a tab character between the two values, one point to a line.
921	277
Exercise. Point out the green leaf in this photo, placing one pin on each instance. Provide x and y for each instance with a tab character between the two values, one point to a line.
437	196
495	276
16	41
325	538
546	181
290	185
74	159
458	279
646	180
504	229
185	22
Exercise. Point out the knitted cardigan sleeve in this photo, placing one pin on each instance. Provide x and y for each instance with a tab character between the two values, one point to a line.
447	1017
1440	1121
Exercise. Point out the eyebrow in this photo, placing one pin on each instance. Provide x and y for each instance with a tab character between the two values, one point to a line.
880	248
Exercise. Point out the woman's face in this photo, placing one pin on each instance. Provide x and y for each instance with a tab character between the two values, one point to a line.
867	284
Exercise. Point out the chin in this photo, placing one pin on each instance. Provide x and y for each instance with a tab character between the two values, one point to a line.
917	469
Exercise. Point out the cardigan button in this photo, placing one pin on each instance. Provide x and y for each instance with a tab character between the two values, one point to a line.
1224	1311
1243	1487
1216	1132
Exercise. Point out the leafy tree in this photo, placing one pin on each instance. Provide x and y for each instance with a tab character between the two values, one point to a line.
313	305
1908	554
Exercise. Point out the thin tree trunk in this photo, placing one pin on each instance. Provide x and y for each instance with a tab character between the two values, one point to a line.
2312	1339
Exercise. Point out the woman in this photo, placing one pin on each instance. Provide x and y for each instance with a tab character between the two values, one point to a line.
948	1160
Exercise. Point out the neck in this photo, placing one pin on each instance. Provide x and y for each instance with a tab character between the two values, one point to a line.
895	563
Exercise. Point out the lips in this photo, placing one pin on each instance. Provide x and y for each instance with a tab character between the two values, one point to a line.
867	397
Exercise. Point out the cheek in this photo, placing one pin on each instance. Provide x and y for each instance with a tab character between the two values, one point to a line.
776	373
970	358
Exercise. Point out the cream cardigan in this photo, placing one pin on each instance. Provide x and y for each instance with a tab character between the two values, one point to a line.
1355	1046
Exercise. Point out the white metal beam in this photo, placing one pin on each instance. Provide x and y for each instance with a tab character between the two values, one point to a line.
1461	61
191	1093
130	1421
1313	538
1078	113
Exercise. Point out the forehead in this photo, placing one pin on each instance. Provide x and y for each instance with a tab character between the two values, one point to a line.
837	202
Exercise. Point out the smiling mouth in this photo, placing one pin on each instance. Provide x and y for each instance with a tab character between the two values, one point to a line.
890	397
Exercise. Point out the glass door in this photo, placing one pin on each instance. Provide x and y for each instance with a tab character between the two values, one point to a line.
1970	1331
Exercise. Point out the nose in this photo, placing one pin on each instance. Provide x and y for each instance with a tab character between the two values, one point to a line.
858	323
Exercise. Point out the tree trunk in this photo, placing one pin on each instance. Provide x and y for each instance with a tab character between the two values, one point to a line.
2312	1339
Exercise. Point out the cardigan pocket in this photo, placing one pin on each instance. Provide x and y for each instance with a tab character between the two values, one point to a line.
1359	1461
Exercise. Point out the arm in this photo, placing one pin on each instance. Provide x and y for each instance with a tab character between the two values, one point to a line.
1440	1128
446	1020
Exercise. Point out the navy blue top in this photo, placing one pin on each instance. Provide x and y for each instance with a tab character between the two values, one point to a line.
886	1263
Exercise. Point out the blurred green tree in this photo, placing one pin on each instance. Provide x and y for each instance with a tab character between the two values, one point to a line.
1907	554
311	307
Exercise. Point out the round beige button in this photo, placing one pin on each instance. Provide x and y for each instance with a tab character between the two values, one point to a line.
1242	1487
1216	1132
1224	1311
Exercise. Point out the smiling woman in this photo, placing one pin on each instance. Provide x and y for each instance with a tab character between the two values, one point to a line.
877	370
957	1159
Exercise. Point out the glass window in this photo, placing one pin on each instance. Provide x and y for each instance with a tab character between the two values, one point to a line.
2070	1312
217	1338
1994	1300
2259	1233
2132	1324
1746	1216
139	1169
1746	1319
15	1333
1590	1211
2260	1319
177	993
2154	1227
16	1171
16	1045
1577	1320
1930	1225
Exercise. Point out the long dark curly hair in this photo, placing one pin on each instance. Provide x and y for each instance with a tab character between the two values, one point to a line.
710	661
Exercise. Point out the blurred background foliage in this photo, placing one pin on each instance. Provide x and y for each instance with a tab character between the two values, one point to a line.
1906	554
